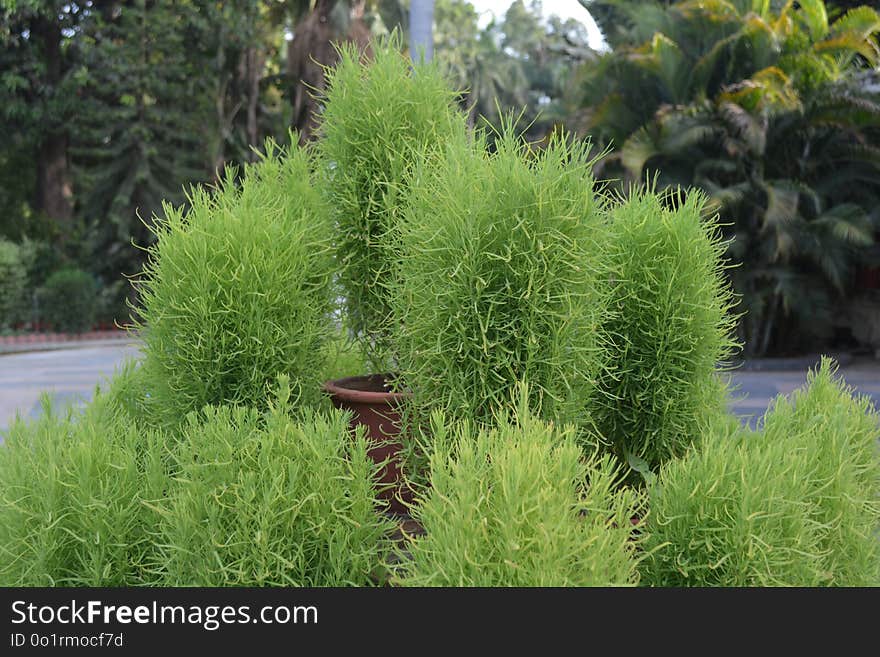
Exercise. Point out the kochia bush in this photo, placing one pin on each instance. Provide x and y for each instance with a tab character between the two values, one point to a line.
73	489
796	505
669	326
499	259
233	497
518	505
237	290
285	503
380	114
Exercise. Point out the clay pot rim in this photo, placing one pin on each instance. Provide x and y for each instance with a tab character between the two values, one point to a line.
338	388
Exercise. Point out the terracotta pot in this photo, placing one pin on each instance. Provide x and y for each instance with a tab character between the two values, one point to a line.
376	408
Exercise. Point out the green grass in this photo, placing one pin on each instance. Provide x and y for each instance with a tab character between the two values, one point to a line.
794	505
518	505
238	290
379	117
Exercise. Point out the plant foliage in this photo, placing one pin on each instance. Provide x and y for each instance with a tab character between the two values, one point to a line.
69	300
72	492
291	503
237	290
770	109
13	278
518	505
796	505
379	116
669	326
499	261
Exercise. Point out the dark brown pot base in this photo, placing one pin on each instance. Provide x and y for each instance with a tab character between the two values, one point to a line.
378	410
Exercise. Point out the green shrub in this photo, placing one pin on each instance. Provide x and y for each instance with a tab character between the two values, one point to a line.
670	325
344	356
378	117
499	255
237	291
518	506
291	504
13	280
69	300
796	505
72	498
838	435
129	390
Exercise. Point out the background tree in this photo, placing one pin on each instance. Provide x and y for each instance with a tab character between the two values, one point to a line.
765	110
520	64
39	42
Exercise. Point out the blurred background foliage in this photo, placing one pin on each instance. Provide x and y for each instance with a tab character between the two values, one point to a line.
771	107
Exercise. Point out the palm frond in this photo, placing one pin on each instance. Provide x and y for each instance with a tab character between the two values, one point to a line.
751	129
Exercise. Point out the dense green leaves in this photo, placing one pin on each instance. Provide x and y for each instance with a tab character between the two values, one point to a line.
499	260
794	505
138	132
285	504
378	118
72	492
235	497
237	290
69	300
668	328
13	278
518	506
762	106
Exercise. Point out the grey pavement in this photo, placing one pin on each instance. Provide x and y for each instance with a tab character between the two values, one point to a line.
754	390
70	376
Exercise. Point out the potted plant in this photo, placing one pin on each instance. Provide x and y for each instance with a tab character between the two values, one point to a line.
235	291
378	117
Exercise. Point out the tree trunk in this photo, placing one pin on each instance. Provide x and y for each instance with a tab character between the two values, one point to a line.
54	193
54	189
310	50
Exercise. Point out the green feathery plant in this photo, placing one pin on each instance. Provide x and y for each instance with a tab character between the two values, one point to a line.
285	504
518	505
837	433
796	505
238	290
670	325
378	117
499	259
73	489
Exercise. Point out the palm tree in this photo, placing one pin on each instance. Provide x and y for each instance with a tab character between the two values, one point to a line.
761	109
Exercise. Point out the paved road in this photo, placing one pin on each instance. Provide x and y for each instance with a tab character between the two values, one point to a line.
755	390
70	376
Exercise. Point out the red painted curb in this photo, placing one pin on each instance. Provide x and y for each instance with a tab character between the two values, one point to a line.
32	338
